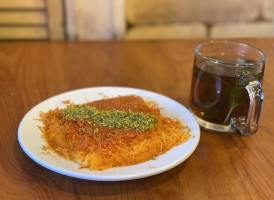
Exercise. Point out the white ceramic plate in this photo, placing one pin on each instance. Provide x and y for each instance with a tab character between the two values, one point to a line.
30	139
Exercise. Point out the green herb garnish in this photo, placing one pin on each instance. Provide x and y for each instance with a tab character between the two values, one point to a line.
236	94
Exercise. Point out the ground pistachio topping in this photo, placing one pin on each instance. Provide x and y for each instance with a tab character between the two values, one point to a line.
112	118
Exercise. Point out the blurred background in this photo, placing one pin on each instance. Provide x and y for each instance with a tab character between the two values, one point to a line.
135	19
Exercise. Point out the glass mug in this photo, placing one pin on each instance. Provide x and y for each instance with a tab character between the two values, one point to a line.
226	91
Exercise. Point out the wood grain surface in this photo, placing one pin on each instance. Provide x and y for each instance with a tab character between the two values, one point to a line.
224	166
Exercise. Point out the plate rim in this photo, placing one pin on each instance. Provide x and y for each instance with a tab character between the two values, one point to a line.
107	177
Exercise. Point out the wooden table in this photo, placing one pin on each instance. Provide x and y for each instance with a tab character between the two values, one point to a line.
224	166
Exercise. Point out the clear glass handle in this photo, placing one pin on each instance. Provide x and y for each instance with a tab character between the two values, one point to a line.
248	125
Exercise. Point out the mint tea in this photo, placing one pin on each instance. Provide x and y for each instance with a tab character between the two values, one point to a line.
218	91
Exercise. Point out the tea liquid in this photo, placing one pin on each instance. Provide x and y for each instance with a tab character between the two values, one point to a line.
218	92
